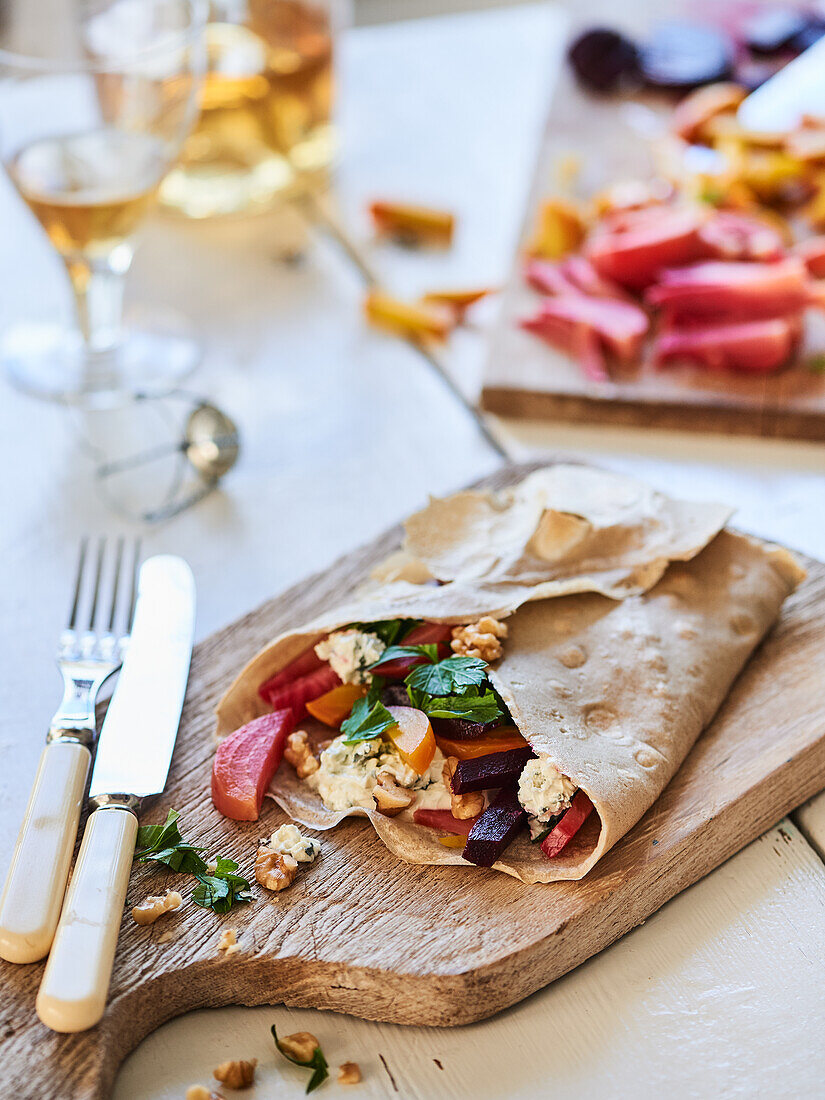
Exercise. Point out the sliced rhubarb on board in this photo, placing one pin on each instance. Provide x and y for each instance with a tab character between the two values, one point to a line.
298	693
303	665
740	291
484	773
495	828
752	347
246	761
621	325
634	246
562	833
444	820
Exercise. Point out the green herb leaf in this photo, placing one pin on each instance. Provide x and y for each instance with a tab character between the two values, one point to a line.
164	844
389	630
221	889
368	718
396	652
816	364
474	708
452	676
317	1062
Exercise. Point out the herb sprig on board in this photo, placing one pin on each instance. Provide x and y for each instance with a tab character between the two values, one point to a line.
316	1062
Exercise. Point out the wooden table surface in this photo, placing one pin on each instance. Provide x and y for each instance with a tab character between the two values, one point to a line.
344	430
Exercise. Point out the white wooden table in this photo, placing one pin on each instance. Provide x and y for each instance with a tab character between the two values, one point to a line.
720	993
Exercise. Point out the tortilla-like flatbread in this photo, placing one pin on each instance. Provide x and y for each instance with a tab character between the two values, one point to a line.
614	691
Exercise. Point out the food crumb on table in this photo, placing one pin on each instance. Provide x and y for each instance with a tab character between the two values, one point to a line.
228	942
349	1073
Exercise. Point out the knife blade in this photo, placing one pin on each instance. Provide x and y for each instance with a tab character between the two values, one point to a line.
133	757
797	89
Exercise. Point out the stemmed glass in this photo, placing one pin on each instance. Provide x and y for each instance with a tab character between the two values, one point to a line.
96	99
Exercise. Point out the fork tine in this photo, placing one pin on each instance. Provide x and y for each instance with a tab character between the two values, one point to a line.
116	584
101	547
133	594
81	562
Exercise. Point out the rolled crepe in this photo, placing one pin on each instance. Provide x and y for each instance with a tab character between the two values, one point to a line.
614	691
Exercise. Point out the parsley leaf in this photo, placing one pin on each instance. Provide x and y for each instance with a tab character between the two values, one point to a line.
164	844
388	630
452	676
368	718
221	889
396	652
474	708
816	364
317	1062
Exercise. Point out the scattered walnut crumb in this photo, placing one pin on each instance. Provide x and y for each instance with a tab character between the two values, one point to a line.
301	1045
199	1092
236	1075
228	943
349	1073
462	806
390	798
274	870
149	910
299	753
479	639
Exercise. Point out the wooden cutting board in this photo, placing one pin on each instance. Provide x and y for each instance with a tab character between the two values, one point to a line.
361	932
526	378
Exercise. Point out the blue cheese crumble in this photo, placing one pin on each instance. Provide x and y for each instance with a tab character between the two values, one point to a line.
349	653
542	790
289	841
348	773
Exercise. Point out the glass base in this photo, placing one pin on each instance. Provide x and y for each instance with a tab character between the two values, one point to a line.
51	362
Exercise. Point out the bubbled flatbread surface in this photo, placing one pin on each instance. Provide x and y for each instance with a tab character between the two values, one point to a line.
614	690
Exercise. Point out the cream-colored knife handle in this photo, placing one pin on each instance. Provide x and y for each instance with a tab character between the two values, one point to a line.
33	894
73	992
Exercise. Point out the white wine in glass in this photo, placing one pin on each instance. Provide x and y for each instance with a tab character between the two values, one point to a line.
89	126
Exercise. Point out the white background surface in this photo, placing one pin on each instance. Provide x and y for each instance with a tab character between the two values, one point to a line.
344	431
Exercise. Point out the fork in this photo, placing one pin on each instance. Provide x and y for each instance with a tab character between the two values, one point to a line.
86	657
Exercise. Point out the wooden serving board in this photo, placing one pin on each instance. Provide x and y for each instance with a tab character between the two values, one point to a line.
526	378
363	933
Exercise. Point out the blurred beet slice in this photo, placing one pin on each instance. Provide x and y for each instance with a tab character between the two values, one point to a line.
685	55
772	29
395	695
495	829
462	729
603	60
484	773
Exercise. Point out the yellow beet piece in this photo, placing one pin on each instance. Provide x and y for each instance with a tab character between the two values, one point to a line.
413	736
417	322
413	224
560	230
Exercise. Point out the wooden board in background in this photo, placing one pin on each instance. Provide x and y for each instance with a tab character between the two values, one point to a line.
526	378
365	934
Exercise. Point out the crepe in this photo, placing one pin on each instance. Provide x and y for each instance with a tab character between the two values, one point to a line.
653	614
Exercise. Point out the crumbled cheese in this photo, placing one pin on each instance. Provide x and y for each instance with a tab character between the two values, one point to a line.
347	774
289	841
349	653
542	790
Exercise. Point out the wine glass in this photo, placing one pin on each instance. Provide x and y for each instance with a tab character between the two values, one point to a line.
96	99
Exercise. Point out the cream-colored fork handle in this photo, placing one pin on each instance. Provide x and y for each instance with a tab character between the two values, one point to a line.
73	992
36	882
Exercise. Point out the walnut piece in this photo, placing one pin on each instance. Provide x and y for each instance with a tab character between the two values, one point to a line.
462	806
149	910
299	753
300	1046
228	942
390	798
479	639
199	1092
349	1073
274	870
236	1075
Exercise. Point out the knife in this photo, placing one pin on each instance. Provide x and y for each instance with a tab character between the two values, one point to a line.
133	756
797	89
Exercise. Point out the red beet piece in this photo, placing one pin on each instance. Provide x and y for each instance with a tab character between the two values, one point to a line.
307	662
462	729
603	60
245	763
444	820
395	695
633	246
566	829
753	347
484	773
736	290
427	634
300	692
621	325
495	828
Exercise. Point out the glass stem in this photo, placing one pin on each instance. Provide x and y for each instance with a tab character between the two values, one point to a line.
98	289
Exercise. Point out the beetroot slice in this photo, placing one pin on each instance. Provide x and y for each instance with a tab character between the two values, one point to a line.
483	773
560	836
297	694
496	827
461	729
303	665
395	695
444	820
